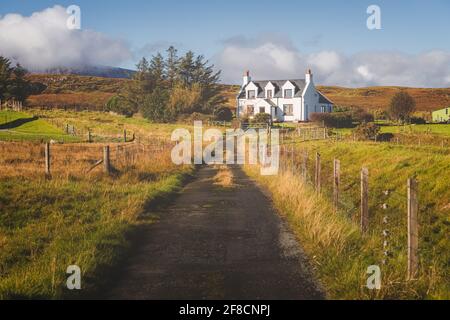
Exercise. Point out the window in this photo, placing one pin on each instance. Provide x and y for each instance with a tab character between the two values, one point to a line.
262	110
269	94
250	109
251	94
288	93
288	109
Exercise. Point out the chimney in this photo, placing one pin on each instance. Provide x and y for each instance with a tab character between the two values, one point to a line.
309	76
246	78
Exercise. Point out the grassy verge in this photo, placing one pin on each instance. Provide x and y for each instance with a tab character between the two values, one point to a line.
339	253
46	226
80	217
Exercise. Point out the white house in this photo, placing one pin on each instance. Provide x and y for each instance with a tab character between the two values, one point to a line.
285	100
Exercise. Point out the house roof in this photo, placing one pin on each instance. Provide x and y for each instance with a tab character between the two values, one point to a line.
270	102
323	99
299	85
441	110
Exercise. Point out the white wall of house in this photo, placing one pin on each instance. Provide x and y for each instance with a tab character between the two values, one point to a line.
302	106
310	100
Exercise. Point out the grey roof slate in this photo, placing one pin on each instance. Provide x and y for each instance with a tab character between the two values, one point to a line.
323	99
278	84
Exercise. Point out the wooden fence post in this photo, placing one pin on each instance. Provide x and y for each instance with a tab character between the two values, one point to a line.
47	160
89	136
292	158
317	180
364	199
124	135
106	160
305	165
413	228
336	183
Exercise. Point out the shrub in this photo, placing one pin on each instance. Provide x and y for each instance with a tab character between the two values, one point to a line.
380	114
417	120
386	137
366	131
223	114
333	120
401	107
120	105
262	118
183	99
244	119
195	116
360	115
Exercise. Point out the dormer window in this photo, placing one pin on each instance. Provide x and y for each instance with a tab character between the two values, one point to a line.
251	94
288	93
269	94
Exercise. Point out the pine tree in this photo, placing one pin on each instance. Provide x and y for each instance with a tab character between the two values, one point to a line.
5	76
157	69
186	68
13	84
172	63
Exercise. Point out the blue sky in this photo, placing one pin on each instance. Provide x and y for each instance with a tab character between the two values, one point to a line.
308	27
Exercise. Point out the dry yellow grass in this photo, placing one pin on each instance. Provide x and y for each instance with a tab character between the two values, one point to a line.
77	217
77	160
340	253
224	177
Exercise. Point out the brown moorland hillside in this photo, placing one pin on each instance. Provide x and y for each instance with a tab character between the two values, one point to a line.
74	92
94	92
85	92
371	98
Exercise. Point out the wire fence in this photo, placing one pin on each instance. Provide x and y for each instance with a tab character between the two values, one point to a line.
375	209
26	159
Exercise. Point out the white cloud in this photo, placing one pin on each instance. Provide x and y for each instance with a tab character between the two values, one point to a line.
43	40
365	73
272	58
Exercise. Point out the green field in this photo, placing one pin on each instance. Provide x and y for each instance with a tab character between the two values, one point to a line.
439	129
106	123
30	130
442	130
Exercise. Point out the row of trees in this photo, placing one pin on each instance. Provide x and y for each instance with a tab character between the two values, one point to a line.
13	85
167	87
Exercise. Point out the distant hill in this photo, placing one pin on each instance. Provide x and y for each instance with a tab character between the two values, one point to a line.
69	83
95	71
58	88
371	98
73	91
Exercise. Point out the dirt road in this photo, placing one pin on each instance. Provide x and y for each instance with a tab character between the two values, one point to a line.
216	243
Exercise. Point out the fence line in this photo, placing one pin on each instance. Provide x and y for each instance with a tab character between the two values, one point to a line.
338	185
